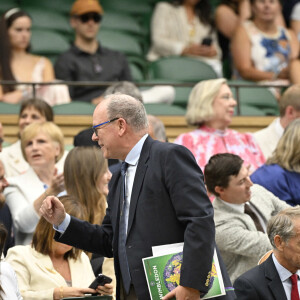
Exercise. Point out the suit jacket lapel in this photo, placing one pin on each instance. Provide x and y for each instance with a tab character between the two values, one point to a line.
138	180
275	284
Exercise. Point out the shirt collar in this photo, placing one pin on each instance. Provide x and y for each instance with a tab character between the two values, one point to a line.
79	51
134	154
283	273
278	127
237	207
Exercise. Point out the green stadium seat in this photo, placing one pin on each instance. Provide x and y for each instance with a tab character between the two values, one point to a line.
45	42
74	108
136	72
121	22
246	110
49	20
162	109
185	69
120	41
58	6
5	5
133	7
7	108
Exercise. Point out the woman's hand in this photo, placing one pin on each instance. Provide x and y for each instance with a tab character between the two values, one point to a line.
200	50
57	183
65	292
106	289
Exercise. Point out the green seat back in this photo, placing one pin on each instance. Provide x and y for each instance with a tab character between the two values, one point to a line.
163	109
45	42
7	108
120	41
74	108
181	68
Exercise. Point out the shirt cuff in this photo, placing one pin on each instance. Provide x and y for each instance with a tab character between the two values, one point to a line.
62	227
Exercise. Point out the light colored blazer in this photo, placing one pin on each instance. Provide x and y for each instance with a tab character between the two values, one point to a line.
22	191
14	162
267	138
170	33
37	277
9	282
240	244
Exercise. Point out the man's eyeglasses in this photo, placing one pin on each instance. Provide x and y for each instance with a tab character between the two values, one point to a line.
96	127
86	17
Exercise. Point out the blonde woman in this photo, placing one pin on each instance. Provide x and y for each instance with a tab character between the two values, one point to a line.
211	108
42	146
281	173
47	269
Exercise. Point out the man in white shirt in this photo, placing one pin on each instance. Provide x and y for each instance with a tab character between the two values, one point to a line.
289	107
242	210
278	277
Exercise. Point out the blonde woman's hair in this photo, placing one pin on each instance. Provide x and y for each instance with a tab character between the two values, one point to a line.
48	128
83	168
200	105
287	152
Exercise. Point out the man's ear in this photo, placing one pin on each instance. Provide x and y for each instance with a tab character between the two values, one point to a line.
219	190
279	243
122	126
73	22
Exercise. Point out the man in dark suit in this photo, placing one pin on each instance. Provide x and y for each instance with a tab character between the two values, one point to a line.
166	200
278	277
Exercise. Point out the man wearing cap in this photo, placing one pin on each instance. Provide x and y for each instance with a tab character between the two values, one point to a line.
87	60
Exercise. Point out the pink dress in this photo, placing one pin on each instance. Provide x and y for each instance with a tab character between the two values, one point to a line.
205	142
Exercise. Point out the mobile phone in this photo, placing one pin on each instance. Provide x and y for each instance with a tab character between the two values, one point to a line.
206	41
101	279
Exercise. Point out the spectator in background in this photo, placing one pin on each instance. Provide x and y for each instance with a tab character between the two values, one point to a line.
87	60
262	50
278	277
241	212
291	13
229	15
8	281
87	176
281	173
5	215
185	27
157	129
49	270
17	64
42	146
31	111
211	107
289	109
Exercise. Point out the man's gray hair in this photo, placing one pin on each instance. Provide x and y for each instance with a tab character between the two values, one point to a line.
282	224
128	108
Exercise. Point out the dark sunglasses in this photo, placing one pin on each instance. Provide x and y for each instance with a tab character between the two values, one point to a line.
86	17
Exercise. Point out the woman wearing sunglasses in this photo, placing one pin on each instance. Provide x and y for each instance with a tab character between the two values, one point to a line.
18	64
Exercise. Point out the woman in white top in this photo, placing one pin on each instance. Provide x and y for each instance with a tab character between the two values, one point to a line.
8	281
185	28
42	146
17	64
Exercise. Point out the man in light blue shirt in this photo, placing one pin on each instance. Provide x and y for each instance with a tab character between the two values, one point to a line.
278	277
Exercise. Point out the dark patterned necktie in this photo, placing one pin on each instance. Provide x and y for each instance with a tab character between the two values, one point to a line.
123	234
294	293
254	217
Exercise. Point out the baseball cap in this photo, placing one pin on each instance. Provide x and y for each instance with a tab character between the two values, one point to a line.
81	7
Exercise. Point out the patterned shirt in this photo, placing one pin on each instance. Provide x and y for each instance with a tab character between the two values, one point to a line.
205	142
